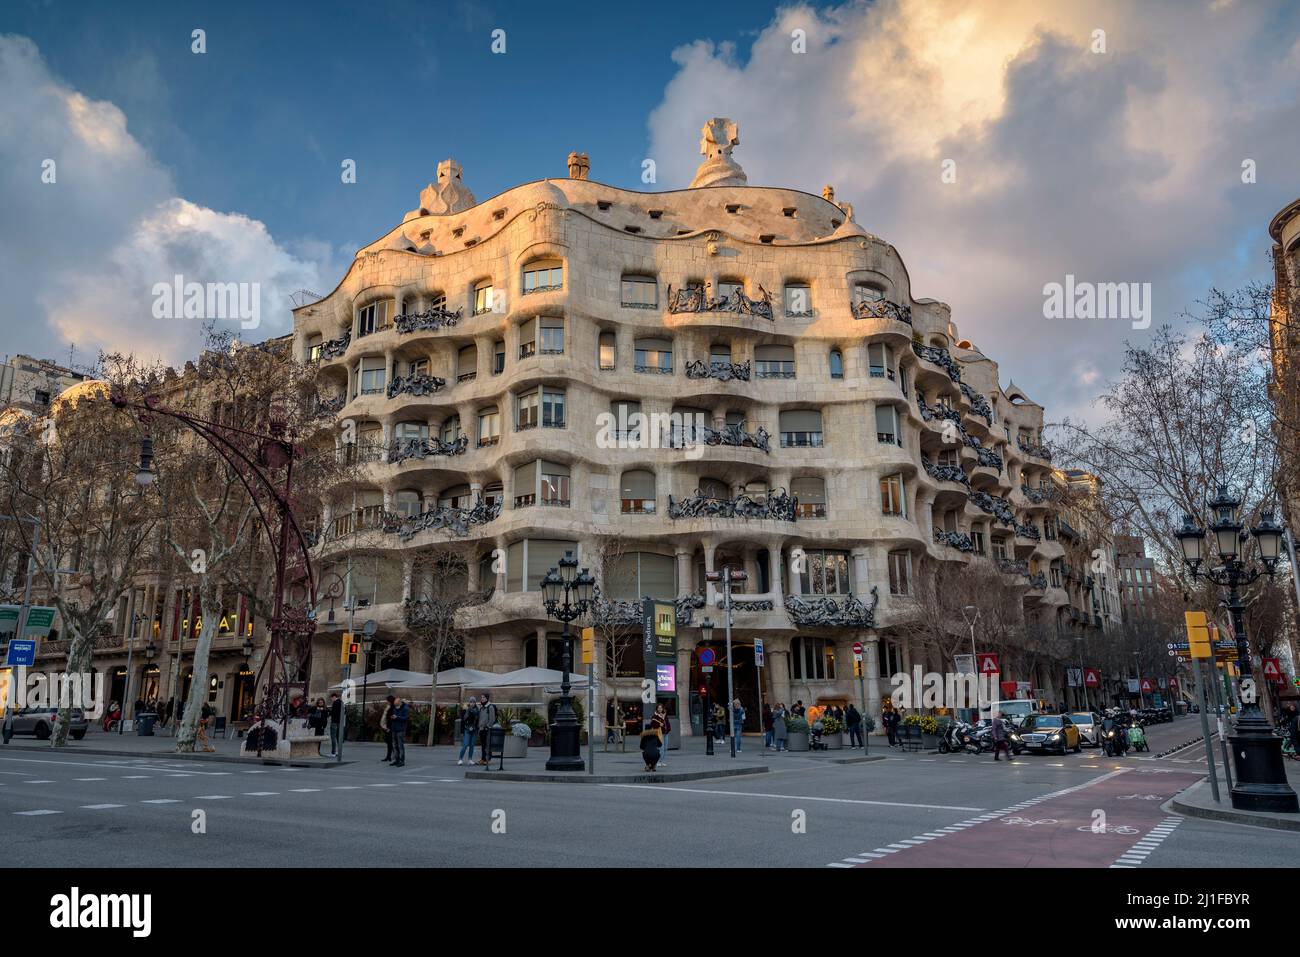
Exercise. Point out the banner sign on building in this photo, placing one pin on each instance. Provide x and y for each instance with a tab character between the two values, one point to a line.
8	620
1074	677
39	622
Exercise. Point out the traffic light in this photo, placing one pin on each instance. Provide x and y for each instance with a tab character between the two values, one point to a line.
857	668
351	650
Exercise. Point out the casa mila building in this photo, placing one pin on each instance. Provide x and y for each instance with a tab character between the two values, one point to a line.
667	384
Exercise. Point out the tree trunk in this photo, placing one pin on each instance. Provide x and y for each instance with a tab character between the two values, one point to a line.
81	650
188	729
433	702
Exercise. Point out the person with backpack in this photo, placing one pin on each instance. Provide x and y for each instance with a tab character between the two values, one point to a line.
468	732
401	716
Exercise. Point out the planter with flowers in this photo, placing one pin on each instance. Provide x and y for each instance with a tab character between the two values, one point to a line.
832	733
796	734
517	736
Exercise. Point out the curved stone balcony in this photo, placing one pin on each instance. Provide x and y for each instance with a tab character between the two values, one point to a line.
941	358
776	505
824	611
722	371
881	309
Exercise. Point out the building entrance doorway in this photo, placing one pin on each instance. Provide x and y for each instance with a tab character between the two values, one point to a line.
744	679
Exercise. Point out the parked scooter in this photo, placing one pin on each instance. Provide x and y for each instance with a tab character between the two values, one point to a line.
957	739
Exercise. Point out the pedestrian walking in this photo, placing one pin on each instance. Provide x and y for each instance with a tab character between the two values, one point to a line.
385	717
779	732
853	721
767	726
487	717
397	726
206	714
336	723
798	710
468	732
737	721
1001	740
719	722
890	719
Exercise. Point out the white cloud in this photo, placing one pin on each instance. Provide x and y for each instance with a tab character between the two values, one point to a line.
1115	167
80	256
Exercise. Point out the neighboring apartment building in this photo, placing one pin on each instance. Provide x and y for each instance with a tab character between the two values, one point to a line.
1285	338
1137	576
30	384
724	374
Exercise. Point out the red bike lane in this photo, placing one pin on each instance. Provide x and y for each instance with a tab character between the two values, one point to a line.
1093	824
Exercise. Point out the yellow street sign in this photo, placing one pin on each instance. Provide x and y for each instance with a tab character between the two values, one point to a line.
588	645
1198	634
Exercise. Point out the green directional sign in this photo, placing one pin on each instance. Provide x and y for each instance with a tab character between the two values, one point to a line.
40	620
8	620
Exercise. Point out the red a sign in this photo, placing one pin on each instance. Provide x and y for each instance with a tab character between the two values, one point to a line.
1272	669
1147	686
1173	684
1091	678
988	664
1008	689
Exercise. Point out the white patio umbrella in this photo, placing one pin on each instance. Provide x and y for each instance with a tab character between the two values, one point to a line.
530	678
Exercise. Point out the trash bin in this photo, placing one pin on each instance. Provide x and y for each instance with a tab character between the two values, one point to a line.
496	744
144	722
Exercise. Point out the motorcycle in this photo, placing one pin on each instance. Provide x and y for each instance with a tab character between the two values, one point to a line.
1114	739
958	739
1137	738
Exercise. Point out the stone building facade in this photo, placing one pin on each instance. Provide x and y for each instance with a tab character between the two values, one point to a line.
721	375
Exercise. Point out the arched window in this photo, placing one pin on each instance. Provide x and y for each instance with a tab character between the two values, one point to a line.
467	364
801	428
543	275
837	364
637	492
811	492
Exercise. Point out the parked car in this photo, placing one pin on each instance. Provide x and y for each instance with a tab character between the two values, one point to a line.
1015	710
1089	725
40	722
1050	732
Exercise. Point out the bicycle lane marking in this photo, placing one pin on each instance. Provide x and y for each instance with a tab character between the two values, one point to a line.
1052	830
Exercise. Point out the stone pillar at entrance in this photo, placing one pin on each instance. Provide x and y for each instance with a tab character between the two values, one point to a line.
871	664
778	662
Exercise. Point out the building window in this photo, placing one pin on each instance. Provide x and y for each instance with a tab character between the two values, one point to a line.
498	357
881	360
1054	571
949	458
774	362
605	358
891	495
900	573
728	288
837	364
489	426
654	355
640	292
999	547
812	659
977	539
887	425
555	485
825	573
801	428
545	275
529	404
467	364
528	339
627	420
637	493
375	317
411	430
811	494
484	298
865	292
313	355
635	575
552	336
450	430
528	561
372	375
458	496
798	300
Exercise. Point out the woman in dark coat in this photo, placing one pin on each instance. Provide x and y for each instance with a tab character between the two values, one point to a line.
651	747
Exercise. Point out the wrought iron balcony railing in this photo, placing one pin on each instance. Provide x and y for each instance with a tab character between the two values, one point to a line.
1036	495
416	383
732	435
945	473
330	405
1028	531
978	404
399	450
776	505
617	612
696	299
940	357
1039	451
825	612
881	309
715	369
1012	566
958	540
458	521
335	347
999	508
1038	581
438	317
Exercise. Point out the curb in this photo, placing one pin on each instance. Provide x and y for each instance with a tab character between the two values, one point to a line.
1179	747
1231	816
172	755
657	777
860	759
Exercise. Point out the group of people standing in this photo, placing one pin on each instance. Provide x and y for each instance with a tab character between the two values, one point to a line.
776	722
476	722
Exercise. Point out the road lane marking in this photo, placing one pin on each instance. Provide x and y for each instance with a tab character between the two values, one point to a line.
260	793
161	801
303	790
41	781
90	779
34	813
213	797
786	797
99	807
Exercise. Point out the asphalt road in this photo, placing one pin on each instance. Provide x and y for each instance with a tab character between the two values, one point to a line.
908	810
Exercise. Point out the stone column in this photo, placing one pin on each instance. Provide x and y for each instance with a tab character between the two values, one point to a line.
871	664
774	573
685	584
408	575
683	719
778	659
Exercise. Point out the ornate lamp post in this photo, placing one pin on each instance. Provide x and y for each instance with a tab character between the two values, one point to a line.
566	594
727	576
1257	753
256	458
706	633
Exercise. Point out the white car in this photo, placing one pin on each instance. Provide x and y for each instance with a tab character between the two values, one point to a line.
1015	710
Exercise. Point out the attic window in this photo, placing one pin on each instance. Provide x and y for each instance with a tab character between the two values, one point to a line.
500	213
471	242
632	229
836	223
603	203
767	238
425	235
733	207
788	211
683	232
655	213
458	232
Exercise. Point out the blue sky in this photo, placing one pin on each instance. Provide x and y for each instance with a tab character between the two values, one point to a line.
1118	164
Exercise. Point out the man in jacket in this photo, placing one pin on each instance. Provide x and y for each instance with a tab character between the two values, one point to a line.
336	722
397	730
487	717
853	721
384	718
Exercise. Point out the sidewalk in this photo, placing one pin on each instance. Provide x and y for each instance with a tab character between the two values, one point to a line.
688	763
1198	801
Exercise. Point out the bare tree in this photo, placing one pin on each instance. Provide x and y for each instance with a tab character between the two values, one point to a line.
616	633
440	592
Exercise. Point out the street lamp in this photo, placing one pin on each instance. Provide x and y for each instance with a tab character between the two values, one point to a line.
1257	753
706	634
727	576
970	621
144	475
566	595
